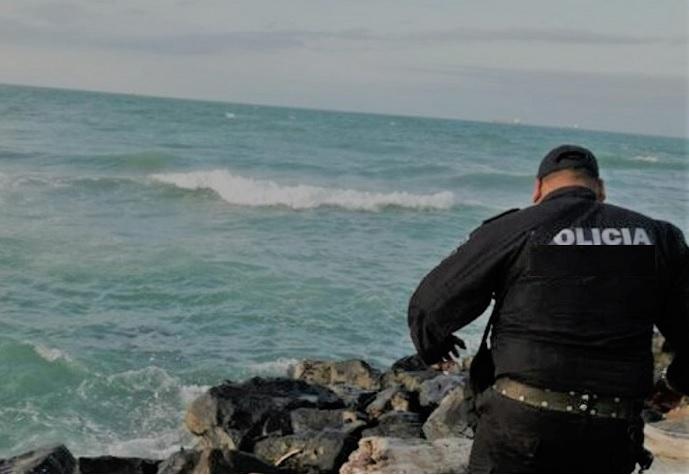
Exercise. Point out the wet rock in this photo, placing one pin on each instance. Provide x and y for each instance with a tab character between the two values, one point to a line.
394	398
433	391
409	363
55	459
670	436
450	419
308	419
231	461
110	464
354	373
411	381
183	461
308	452
232	414
352	397
403	425
392	455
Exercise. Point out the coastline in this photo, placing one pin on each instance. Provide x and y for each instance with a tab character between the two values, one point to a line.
338	417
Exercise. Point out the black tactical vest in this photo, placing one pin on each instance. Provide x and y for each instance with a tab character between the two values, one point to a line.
577	308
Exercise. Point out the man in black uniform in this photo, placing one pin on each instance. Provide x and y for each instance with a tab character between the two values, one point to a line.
577	287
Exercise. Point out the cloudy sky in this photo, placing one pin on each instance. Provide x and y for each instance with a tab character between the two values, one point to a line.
602	64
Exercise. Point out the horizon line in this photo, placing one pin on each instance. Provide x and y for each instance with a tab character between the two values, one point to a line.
344	111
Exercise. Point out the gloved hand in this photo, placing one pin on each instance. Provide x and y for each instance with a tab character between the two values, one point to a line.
450	347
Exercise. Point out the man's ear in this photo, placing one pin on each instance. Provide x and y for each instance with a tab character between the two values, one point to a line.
601	190
537	194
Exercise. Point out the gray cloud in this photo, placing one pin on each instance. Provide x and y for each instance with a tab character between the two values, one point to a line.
583	37
55	29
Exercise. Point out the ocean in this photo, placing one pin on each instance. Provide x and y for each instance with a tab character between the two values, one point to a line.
152	247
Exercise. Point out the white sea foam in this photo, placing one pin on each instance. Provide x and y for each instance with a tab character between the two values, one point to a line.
244	191
158	446
51	354
279	367
188	393
230	115
646	158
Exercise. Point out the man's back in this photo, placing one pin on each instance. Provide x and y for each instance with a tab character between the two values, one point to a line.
577	305
578	286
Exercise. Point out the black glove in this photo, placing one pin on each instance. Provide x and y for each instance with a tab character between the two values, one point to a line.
450	347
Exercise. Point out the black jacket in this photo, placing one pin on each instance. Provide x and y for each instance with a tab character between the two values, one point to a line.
577	284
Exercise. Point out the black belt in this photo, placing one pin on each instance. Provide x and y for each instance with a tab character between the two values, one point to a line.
574	402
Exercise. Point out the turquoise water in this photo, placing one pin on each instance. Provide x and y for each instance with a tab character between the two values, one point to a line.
151	247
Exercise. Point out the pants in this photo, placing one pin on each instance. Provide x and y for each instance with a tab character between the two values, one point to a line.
513	437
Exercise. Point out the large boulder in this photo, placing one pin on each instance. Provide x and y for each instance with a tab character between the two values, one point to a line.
110	464
352	373
409	363
434	390
451	418
354	398
183	461
403	425
56	459
231	461
415	363
308	419
411	381
214	461
233	414
391	455
309	452
669	438
394	398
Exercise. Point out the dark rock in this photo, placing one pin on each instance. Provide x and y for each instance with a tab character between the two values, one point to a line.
110	464
55	459
394	398
231	461
308	419
232	414
433	391
352	397
651	415
451	418
403	425
415	363
355	373
183	461
393	455
309	452
409	380
409	363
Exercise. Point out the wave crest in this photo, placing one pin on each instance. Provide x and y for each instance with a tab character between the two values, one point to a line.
244	191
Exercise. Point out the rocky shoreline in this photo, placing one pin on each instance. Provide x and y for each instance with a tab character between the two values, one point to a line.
324	417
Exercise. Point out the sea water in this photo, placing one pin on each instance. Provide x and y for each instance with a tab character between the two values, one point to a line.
152	247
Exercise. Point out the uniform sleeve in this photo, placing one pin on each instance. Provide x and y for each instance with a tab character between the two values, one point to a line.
673	322
456	292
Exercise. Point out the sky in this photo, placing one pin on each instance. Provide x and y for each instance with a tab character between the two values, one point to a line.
620	65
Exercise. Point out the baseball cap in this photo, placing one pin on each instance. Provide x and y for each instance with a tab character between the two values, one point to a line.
568	156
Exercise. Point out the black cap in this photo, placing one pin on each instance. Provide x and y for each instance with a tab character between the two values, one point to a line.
568	156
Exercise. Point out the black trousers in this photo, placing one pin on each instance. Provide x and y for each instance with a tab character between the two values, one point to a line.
513	437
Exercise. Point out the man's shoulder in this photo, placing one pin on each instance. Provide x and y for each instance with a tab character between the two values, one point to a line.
663	228
507	222
500	215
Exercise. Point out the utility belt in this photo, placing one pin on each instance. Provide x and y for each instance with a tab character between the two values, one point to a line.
573	402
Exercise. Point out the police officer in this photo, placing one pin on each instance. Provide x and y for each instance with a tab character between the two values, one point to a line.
577	287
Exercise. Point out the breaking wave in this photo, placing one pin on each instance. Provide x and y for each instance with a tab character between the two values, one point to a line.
244	191
646	158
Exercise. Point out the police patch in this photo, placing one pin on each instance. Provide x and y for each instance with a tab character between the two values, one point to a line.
602	236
